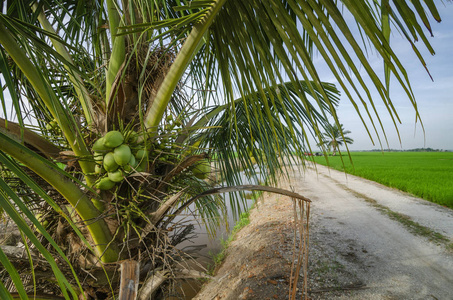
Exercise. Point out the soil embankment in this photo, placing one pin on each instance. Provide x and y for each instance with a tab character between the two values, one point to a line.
367	241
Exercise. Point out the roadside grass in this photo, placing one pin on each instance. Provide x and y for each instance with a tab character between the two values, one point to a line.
428	175
244	220
414	227
218	258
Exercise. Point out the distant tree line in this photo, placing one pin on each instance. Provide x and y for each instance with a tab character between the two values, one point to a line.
412	150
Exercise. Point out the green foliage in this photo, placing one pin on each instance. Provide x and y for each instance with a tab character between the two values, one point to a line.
177	81
334	137
243	221
425	174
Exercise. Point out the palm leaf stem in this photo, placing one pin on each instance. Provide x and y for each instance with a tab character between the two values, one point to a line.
69	129
27	136
83	94
118	55
184	57
114	18
71	192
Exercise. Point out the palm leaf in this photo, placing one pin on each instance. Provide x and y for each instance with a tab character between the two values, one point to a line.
69	190
316	19
6	194
14	275
248	137
240	75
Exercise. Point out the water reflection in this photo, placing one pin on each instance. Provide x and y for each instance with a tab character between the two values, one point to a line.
203	245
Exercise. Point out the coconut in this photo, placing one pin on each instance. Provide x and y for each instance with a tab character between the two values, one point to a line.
98	157
133	161
41	220
141	154
116	176
52	125
113	139
122	154
99	146
105	184
142	166
202	169
98	169
132	164
109	163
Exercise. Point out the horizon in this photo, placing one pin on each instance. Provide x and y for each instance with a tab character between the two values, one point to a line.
434	98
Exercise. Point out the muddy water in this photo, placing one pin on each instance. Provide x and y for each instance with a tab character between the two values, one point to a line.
205	245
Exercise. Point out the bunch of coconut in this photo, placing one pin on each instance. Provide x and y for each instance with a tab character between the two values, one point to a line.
117	156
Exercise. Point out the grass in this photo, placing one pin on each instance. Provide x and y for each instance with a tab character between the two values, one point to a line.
428	175
243	221
412	226
218	258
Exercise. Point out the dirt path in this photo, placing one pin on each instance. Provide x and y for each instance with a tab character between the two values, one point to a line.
366	242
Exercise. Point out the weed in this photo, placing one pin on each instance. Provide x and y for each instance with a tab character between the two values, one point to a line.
244	220
450	247
327	267
414	227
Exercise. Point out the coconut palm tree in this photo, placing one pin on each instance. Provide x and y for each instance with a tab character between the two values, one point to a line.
335	136
111	110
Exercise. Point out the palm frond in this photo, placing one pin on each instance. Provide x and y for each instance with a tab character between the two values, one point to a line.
69	190
6	194
265	34
234	80
250	139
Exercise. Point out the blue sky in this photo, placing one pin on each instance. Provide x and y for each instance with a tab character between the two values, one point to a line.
434	98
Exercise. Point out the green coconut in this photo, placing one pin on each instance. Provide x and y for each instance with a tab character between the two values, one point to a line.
142	166
98	169
133	161
141	154
52	125
113	139
109	163
131	165
45	223
105	184
99	146
116	176
98	157
202	169
122	154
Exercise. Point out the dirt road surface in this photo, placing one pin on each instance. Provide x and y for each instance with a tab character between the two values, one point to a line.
367	241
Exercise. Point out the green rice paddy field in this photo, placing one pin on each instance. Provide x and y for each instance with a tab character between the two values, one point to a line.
428	175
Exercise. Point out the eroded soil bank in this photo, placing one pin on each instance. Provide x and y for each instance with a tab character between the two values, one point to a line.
358	248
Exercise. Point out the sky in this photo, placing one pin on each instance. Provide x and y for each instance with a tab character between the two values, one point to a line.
434	98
